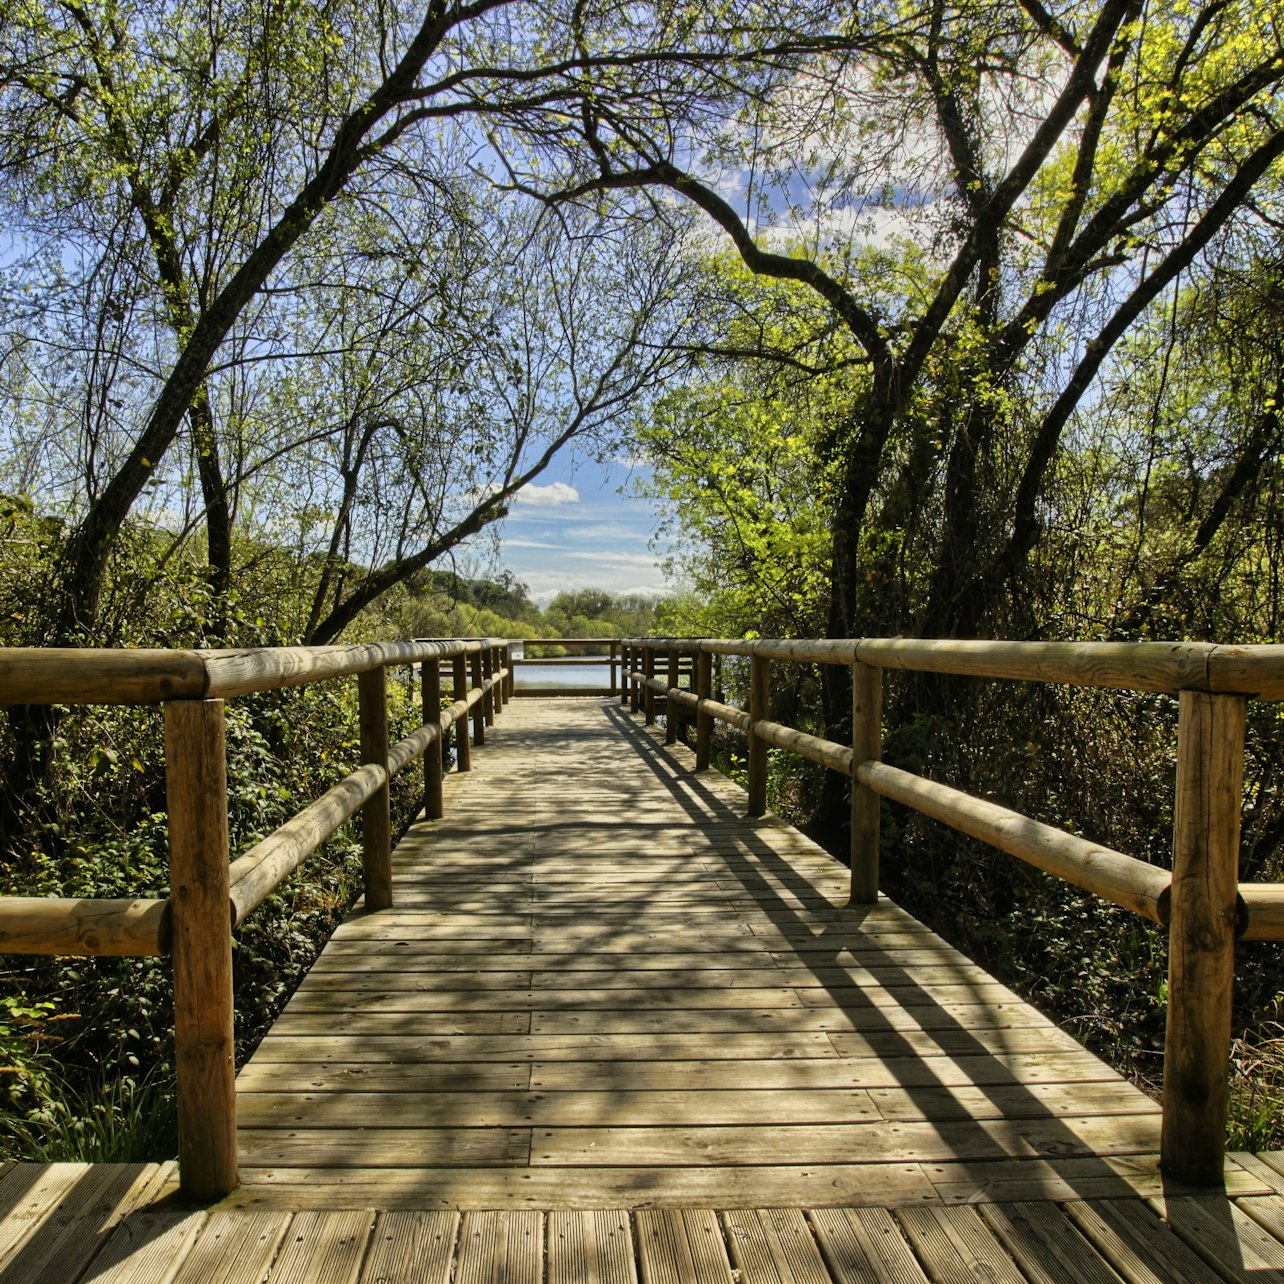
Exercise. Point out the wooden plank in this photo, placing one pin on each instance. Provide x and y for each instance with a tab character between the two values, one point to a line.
385	1147
1230	1242
1101	1177
896	1073
774	1246
590	1248
1129	1235
865	1246
1006	1102
556	1109
148	1247
1046	1246
344	1078
681	1246
1267	1211
1258	1166
956	1247
539	1047
291	1023
872	1143
413	1246
235	1247
501	1245
656	999
64	1218
955	1022
323	1248
608	1187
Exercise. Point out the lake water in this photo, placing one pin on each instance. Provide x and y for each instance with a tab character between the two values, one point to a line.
538	677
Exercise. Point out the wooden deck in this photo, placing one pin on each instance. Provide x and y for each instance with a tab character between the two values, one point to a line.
615	1031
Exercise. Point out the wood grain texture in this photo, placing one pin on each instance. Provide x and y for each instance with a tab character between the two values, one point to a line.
376	820
256	874
119	1224
1132	883
62	925
867	746
759	708
204	1043
1201	955
99	675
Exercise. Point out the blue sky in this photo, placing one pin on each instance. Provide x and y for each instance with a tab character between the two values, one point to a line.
574	529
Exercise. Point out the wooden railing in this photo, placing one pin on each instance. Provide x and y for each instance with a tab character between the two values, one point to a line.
208	895
1199	901
606	651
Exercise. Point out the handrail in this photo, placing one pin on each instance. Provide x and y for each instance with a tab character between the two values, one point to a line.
76	675
609	656
208	895
1200	901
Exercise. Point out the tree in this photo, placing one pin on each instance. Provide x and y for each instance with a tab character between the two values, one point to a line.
1057	172
737	456
190	153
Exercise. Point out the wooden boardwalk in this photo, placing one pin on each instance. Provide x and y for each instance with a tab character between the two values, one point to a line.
602	986
615	1031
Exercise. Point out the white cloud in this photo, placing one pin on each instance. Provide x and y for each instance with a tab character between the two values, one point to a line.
551	496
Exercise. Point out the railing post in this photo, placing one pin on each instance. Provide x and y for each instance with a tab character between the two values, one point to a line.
204	1039
759	703
508	664
497	683
648	695
487	658
463	752
625	651
704	721
636	694
1201	935
479	709
867	746
376	814
434	806
671	706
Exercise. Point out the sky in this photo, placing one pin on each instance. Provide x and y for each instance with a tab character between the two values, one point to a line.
573	528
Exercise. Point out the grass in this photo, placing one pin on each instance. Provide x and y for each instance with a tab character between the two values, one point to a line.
120	1120
1255	1115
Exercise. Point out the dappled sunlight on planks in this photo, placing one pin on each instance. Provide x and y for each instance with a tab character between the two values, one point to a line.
601	986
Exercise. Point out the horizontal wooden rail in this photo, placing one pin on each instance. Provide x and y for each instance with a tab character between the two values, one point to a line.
64	925
413	746
1262	911
74	675
1134	884
87	675
827	753
563	661
1172	667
